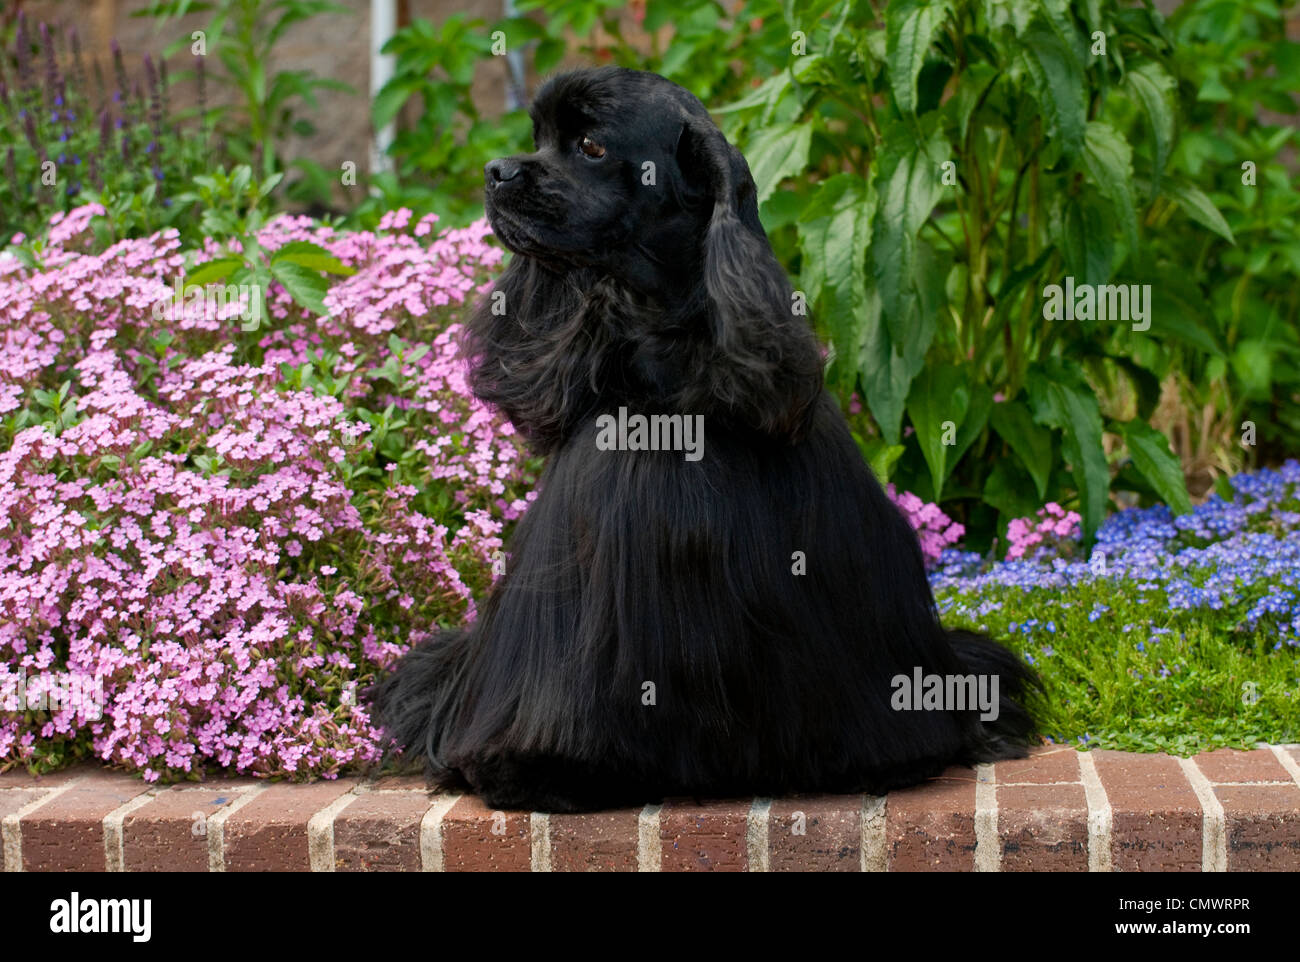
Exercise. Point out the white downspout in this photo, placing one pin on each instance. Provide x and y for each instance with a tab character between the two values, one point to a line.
515	64
383	24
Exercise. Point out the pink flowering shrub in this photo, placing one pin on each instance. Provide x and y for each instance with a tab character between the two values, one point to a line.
229	531
1055	528
935	529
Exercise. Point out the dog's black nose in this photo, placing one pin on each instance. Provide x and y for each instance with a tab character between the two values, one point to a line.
500	170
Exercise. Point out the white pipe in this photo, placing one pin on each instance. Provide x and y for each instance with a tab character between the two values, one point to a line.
515	64
383	24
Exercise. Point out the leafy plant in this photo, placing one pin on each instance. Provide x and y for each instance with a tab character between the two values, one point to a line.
940	166
243	34
1239	304
439	156
231	209
439	160
70	141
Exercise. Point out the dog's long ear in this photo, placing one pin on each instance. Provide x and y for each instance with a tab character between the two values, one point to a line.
765	367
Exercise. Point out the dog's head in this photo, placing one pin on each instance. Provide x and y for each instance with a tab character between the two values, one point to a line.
642	274
627	169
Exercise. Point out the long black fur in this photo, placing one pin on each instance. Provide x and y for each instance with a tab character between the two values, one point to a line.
636	567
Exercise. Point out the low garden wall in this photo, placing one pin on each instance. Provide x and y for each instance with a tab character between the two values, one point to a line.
1059	810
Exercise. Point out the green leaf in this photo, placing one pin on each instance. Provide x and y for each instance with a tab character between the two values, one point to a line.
391	97
1031	442
1058	85
312	257
1056	15
306	287
1109	162
880	457
1179	304
1022	275
975	81
1158	464
1008	488
910	27
977	417
213	270
885	371
240	178
909	187
1252	362
548	53
765	94
888	364
270	183
1061	398
1152	87
777	152
833	238
937	405
1198	207
1144	382
1083	228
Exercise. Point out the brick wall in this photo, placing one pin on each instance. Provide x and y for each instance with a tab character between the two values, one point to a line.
1057	811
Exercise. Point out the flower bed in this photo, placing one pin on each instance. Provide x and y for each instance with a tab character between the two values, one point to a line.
1173	633
225	531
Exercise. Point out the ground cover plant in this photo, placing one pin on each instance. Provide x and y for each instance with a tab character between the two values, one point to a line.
227	525
1169	633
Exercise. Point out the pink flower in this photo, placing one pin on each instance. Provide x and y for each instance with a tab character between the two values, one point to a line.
1053	522
935	530
197	540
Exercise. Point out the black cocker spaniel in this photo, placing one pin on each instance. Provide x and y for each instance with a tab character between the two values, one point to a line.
711	596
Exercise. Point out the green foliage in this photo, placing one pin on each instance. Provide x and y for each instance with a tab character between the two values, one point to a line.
243	35
439	155
71	136
439	159
988	151
927	171
231	210
1139	677
1233	289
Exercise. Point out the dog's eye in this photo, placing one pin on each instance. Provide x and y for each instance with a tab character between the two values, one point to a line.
591	148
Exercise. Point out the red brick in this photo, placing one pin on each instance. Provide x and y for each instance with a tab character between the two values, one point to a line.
1230	765
827	838
380	832
401	783
269	834
932	826
1157	820
167	834
12	799
1043	828
1263	826
704	837
469	843
19	777
66	834
1046	765
595	841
